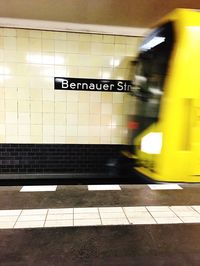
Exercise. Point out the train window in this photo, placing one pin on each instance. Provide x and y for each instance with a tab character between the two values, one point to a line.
151	70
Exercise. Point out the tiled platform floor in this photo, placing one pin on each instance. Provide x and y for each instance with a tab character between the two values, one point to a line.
74	226
33	218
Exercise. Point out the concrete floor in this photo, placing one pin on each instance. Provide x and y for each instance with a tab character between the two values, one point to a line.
156	244
79	196
108	245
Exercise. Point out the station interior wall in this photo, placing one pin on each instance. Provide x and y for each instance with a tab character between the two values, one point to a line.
32	112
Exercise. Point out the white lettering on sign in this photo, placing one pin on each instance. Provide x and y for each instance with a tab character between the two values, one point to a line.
111	86
120	86
72	85
123	86
64	84
92	87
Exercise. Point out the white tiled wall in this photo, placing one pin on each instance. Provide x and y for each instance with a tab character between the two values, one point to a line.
31	111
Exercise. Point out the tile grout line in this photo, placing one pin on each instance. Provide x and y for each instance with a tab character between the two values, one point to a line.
151	214
126	216
17	219
45	219
176	214
195	210
72	216
100	216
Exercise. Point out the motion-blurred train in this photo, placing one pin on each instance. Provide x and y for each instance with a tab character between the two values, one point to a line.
165	129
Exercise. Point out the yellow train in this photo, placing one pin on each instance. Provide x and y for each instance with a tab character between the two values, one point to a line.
166	125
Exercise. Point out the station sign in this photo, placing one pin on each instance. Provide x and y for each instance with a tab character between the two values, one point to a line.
83	84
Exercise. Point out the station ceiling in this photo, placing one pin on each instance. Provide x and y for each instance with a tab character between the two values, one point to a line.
128	13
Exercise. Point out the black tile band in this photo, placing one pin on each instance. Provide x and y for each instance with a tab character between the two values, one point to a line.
57	158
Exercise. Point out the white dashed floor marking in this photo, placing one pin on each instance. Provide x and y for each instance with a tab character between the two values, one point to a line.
164	186
103	187
38	188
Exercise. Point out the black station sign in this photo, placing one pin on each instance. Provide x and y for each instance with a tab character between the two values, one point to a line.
103	85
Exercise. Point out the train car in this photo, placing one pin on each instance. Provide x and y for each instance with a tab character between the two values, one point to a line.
165	129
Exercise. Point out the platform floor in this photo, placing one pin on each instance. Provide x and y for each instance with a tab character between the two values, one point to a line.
81	225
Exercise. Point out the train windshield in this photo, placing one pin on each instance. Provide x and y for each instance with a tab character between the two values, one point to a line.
150	72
